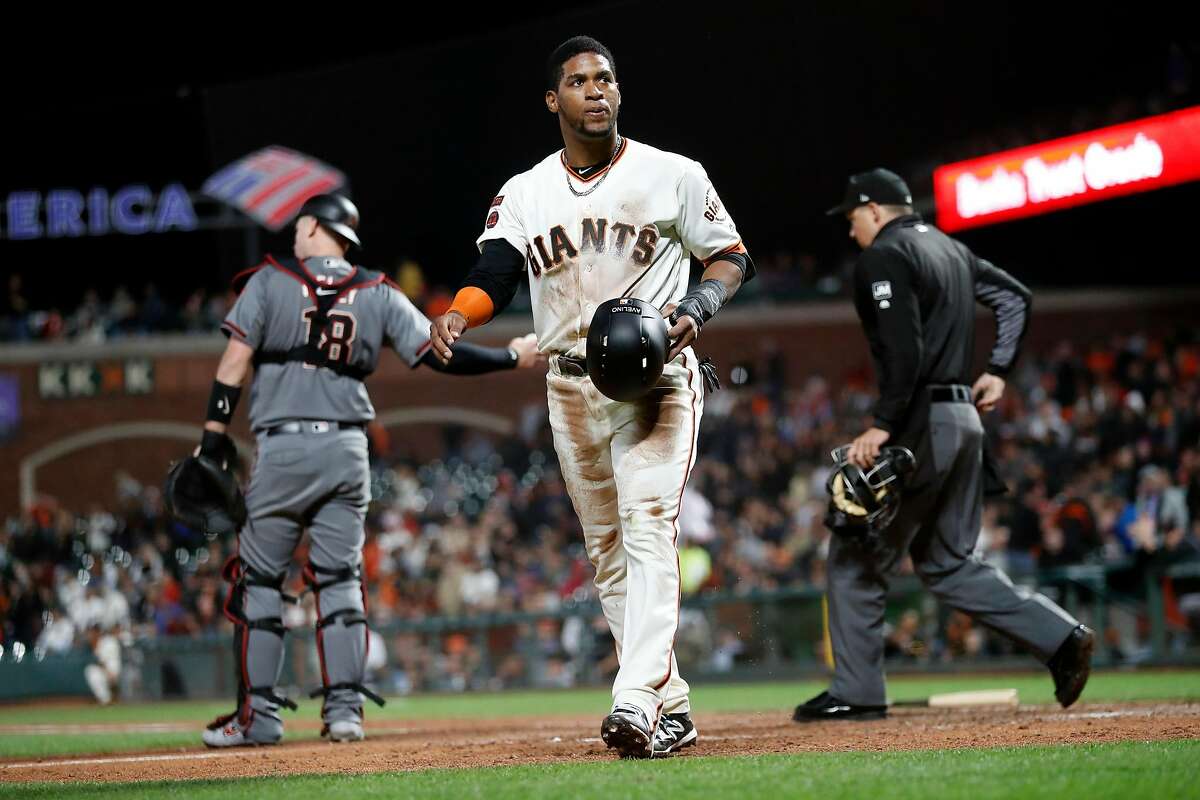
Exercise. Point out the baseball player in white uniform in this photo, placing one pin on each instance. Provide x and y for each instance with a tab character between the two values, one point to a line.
609	217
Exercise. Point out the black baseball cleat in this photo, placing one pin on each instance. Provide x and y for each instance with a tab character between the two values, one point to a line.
628	731
1072	665
825	706
675	732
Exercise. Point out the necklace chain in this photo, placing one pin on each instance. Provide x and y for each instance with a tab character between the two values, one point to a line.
611	157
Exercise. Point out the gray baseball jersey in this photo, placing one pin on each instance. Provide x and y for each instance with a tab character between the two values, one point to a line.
274	312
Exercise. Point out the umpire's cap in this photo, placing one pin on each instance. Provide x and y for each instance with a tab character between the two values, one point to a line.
336	213
626	348
873	186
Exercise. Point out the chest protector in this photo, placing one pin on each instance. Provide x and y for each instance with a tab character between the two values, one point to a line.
326	295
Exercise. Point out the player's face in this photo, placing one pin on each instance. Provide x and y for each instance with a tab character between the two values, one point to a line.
587	98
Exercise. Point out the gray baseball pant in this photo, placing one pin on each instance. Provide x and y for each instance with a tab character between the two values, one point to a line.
938	524
317	481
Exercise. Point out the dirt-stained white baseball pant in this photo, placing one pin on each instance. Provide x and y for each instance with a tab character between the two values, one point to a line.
625	466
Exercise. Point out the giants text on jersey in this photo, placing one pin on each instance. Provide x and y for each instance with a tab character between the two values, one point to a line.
631	237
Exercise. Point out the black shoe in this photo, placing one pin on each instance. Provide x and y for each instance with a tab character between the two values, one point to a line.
1072	665
675	732
628	731
825	706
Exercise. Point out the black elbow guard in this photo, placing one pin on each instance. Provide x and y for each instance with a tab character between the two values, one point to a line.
743	262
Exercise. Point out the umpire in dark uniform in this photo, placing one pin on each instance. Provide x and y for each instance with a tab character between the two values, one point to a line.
915	291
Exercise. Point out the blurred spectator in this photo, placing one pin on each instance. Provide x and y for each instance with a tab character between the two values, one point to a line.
121	311
1100	442
1157	518
14	324
154	315
725	653
904	640
411	280
103	676
963	639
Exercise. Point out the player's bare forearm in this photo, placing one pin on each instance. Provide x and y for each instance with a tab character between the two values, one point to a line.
728	273
231	371
235	363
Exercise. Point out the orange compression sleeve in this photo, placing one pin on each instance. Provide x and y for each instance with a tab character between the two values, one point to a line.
474	304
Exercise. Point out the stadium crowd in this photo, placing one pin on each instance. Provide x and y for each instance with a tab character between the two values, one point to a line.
124	313
1099	445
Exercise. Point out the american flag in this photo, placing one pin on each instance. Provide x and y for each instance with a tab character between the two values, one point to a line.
271	184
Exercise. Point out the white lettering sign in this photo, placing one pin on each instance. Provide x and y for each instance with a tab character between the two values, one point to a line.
1137	162
1052	181
1096	168
1002	191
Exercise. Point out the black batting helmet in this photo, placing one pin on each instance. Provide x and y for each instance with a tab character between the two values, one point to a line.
626	348
336	213
866	501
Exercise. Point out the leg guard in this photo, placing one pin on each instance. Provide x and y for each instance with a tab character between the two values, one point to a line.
341	641
255	606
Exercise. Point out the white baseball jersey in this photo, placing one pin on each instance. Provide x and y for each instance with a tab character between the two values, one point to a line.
628	236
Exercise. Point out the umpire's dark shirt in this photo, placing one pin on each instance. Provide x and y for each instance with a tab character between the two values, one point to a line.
915	290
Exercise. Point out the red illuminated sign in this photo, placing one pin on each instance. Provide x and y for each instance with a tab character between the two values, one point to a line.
1123	159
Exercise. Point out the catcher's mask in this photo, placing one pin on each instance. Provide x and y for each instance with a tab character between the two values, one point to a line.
866	501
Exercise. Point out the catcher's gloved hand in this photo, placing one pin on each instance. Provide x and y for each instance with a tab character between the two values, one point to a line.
202	491
220	448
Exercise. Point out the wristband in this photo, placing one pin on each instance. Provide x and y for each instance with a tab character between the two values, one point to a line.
222	402
702	303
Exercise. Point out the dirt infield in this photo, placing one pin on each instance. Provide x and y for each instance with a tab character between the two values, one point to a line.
459	743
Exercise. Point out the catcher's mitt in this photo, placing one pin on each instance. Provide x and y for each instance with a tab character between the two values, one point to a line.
203	493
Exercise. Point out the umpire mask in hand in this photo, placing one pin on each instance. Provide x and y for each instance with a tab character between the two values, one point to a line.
866	501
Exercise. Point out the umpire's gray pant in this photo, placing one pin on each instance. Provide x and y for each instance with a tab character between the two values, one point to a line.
938	523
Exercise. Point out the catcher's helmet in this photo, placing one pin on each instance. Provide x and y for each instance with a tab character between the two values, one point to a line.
866	501
626	348
335	212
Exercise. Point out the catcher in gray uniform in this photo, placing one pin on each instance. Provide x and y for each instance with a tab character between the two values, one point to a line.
313	328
